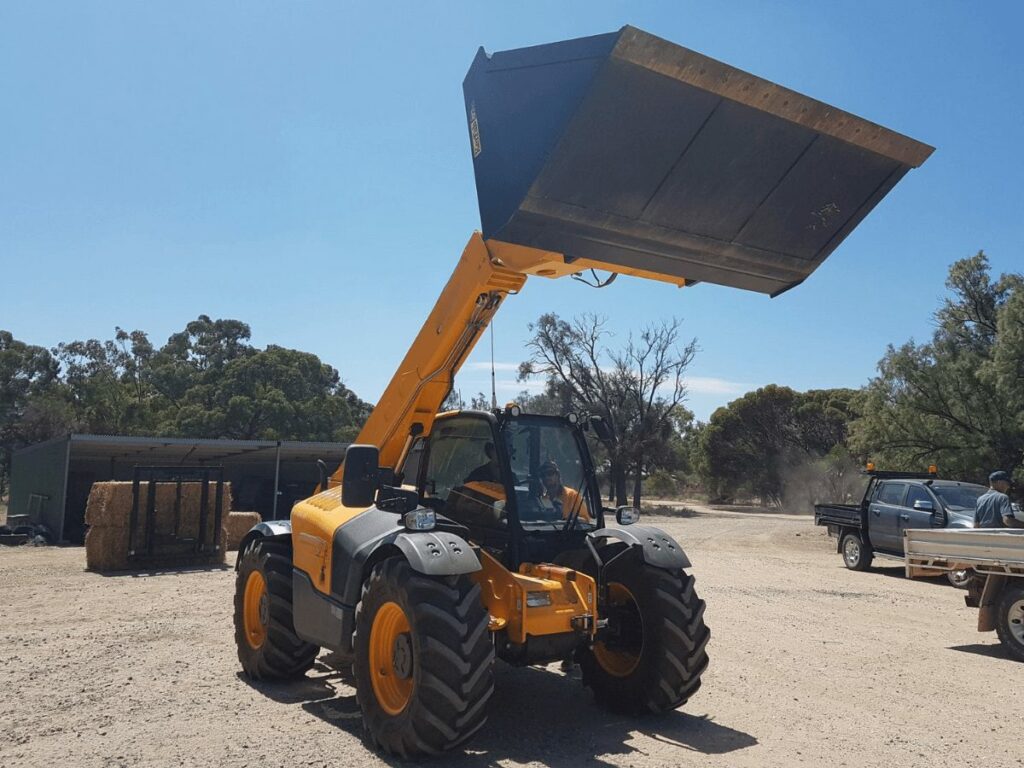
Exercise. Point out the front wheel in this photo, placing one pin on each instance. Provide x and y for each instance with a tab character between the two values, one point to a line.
857	555
1010	619
652	654
424	660
264	632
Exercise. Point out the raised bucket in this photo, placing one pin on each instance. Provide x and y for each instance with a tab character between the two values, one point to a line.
637	153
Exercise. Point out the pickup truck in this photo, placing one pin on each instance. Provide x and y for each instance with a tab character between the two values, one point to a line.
996	557
895	502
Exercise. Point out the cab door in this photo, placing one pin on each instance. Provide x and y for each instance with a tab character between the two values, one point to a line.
460	476
924	516
884	516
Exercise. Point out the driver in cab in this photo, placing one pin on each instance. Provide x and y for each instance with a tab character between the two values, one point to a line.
564	501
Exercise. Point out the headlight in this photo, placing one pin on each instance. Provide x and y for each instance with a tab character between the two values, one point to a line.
421	519
538	599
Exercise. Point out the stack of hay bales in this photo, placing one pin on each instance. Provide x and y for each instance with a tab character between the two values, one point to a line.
236	525
108	514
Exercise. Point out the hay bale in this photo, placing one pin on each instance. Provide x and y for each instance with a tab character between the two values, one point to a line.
110	505
98	509
108	514
236	525
106	549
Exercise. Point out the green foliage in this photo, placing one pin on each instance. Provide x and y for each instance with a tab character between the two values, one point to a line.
958	400
27	373
206	381
762	444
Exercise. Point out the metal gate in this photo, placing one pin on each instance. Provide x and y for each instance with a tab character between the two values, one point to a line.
179	539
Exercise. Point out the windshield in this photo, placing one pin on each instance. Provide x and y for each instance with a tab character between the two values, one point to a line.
548	474
959	498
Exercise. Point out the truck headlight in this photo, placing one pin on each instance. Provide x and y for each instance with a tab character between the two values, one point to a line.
421	519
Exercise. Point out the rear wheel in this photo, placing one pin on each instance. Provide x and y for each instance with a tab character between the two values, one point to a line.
961	579
857	555
653	652
264	631
1010	620
424	661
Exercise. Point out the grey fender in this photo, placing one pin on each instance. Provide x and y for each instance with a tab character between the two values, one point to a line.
438	553
271	529
657	547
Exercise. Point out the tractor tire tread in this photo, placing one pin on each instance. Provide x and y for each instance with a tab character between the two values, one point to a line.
283	655
454	659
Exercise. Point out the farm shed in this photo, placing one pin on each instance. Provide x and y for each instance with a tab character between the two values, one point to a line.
50	481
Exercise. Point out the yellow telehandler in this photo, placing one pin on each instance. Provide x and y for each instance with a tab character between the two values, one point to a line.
445	542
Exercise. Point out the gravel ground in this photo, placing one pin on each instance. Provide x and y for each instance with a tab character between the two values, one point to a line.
810	664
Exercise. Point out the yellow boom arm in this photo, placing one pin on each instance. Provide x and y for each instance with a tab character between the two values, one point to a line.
486	273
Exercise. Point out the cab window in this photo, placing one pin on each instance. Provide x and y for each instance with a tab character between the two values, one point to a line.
892	493
917	493
462	480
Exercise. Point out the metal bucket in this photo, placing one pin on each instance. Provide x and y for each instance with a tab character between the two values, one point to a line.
631	151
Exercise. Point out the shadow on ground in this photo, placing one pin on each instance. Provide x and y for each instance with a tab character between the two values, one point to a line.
536	715
992	650
898	572
165	571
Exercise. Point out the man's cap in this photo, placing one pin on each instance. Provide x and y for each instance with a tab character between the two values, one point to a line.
999	475
548	466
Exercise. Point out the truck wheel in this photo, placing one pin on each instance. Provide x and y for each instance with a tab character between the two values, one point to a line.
424	660
264	633
1010	620
857	556
654	650
961	579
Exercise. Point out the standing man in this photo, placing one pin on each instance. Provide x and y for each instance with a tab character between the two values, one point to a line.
994	509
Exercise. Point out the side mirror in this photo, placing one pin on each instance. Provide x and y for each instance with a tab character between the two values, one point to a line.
360	477
601	429
627	515
924	506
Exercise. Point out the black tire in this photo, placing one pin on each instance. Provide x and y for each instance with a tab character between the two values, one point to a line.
451	667
672	649
1010	619
857	555
282	654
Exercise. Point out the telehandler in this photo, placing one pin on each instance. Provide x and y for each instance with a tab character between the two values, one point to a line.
446	541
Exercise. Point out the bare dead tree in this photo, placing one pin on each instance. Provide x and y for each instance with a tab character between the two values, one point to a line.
636	390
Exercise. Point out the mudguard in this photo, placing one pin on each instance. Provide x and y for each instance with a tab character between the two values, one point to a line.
269	529
438	553
657	547
376	533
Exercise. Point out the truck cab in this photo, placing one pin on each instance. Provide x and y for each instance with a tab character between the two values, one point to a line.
894	503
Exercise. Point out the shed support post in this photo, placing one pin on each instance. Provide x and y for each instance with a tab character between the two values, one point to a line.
277	478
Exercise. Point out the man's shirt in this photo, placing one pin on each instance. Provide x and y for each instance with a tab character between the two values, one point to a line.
991	509
563	505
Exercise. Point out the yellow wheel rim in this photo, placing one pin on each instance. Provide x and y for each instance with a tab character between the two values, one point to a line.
256	610
619	663
391	658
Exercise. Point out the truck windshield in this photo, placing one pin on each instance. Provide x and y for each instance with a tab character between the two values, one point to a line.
959	498
548	471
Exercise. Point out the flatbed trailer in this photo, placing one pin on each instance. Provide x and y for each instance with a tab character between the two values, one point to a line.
996	556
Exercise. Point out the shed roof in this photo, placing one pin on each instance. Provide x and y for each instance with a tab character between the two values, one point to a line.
142	449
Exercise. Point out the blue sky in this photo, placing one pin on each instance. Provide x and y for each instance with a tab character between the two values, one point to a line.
305	167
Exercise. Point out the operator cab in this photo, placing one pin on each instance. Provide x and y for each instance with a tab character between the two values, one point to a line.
519	483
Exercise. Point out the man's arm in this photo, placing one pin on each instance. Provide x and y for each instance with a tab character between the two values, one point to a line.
1006	512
